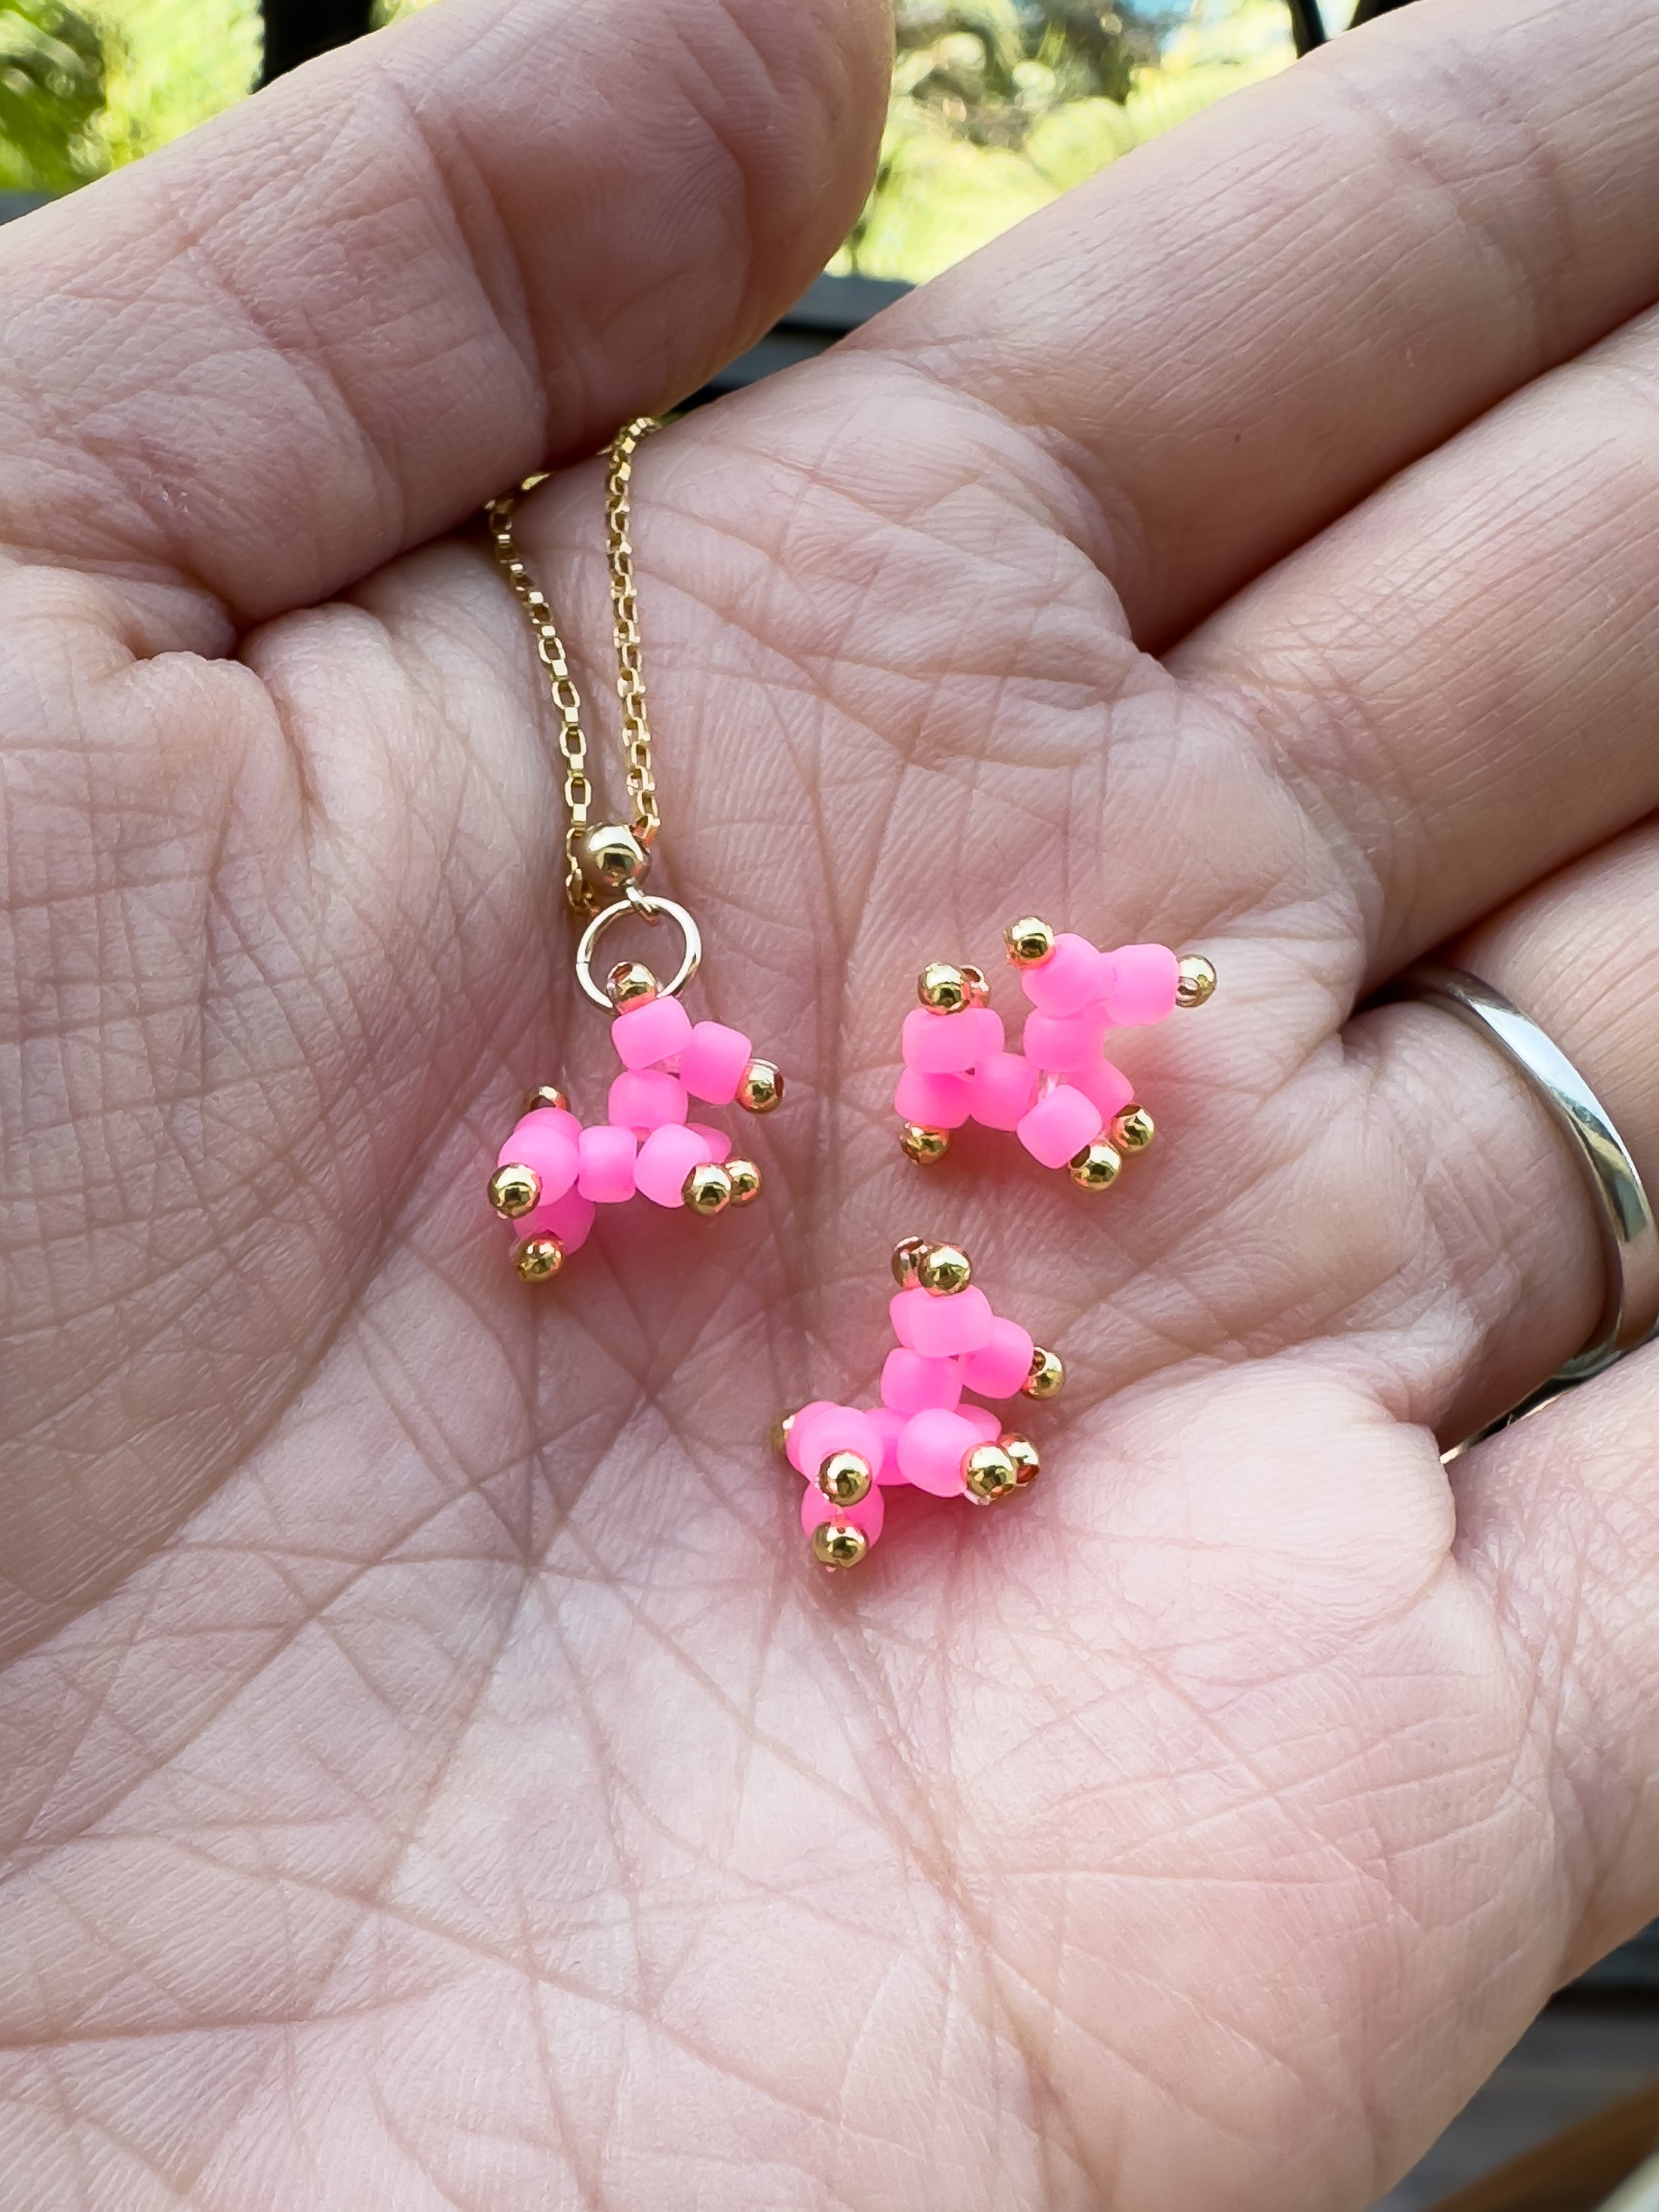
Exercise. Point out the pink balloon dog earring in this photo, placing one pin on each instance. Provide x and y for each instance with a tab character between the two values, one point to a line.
553	1173
1067	1102
922	1432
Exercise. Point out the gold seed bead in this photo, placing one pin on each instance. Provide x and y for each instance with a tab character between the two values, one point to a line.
538	1259
1030	942
942	989
779	1431
1096	1167
1132	1130
908	1256
944	1269
989	1473
1023	1453
610	857
927	1147
838	1544
1198	981
979	989
745	1178
761	1088
630	983
707	1190
515	1191
1047	1374
844	1478
544	1093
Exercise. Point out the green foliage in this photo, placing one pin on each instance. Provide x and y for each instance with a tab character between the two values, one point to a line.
990	70
997	106
52	93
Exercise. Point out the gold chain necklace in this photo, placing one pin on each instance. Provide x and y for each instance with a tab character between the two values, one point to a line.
553	1171
616	854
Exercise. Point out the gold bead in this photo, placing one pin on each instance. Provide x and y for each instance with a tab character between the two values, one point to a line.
1132	1130
1030	942
761	1088
908	1256
631	983
1096	1167
707	1190
1198	981
515	1191
838	1544
1023	1453
779	1431
979	989
942	989
745	1178
538	1258
844	1478
989	1473
610	857
544	1093
944	1269
925	1146
1047	1374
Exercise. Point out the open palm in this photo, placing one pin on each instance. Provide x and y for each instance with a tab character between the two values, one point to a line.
432	1775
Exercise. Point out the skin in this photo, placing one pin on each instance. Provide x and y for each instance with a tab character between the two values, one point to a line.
430	1774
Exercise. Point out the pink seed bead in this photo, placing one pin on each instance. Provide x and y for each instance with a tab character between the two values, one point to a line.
940	1327
933	1102
1060	1126
890	1427
644	1098
829	1429
655	1031
992	1038
931	1447
1073	973
909	1383
1061	1041
719	1143
999	1367
607	1165
543	1117
792	1449
868	1514
1142	984
940	1044
667	1157
1108	1087
552	1150
569	1218
712	1061
1004	1090
989	1424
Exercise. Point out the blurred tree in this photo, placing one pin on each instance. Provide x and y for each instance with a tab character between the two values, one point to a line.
1000	105
52	94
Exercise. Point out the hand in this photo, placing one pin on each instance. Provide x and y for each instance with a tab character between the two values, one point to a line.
432	1775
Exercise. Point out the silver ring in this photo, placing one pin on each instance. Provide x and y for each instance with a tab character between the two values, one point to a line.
635	901
1630	1240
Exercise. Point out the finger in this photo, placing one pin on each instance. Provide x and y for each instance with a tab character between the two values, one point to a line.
1561	1516
1504	1215
328	326
1462	677
1238	333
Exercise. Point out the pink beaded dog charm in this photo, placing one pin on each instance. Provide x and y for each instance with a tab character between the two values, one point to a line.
922	1432
1065	1101
552	1173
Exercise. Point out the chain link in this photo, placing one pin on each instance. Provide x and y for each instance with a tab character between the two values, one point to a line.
625	611
561	685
